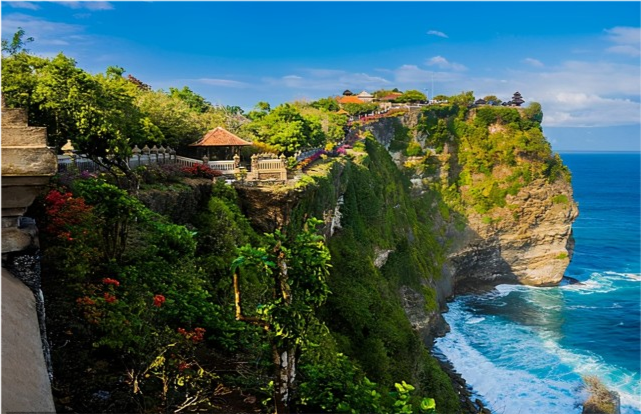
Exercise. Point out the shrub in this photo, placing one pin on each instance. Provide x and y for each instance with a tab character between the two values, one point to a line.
560	199
202	171
160	173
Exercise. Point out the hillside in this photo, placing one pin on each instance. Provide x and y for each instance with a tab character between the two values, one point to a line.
140	296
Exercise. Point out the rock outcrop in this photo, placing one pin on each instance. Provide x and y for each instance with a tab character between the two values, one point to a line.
530	243
527	242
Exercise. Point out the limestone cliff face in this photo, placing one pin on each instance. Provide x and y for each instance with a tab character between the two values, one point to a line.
530	243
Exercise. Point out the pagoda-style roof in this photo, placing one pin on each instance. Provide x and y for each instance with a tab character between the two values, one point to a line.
365	94
347	92
348	99
220	137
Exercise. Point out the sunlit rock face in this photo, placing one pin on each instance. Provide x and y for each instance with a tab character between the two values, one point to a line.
530	243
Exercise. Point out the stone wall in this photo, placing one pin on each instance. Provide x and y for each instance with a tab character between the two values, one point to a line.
25	380
27	165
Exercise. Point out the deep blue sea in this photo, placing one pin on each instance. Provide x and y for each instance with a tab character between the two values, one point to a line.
523	350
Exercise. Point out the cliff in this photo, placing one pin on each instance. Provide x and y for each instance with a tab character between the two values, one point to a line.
493	167
428	204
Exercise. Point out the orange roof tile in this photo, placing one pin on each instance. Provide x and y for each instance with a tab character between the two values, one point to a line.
349	99
219	137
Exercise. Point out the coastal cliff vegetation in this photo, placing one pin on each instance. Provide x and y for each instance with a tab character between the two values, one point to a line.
143	281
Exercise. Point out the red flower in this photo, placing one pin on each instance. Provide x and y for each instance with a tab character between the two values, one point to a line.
183	365
109	298
109	281
198	335
159	300
85	301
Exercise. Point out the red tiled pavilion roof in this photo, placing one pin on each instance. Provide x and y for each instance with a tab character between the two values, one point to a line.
349	99
219	137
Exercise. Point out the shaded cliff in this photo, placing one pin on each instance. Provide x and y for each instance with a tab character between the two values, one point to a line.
387	262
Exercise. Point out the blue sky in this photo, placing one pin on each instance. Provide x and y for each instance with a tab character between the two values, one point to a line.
580	60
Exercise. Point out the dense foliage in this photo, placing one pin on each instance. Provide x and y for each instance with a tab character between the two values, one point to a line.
499	150
289	128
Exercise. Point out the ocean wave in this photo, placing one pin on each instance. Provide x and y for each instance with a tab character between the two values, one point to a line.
505	389
597	283
626	383
624	276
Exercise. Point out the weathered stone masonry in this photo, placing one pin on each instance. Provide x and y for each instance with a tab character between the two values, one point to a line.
27	165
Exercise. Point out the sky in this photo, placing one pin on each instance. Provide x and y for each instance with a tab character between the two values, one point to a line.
579	60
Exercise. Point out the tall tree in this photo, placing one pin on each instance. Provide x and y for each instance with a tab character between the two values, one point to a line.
412	96
191	98
296	270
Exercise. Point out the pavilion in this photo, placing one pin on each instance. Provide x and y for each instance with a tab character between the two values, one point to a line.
225	144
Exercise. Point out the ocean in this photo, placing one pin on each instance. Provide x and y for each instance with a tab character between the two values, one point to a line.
524	350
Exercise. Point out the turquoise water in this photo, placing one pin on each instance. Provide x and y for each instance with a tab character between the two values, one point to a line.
523	350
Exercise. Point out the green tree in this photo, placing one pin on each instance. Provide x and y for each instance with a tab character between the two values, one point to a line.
296	269
360	109
191	98
286	129
534	112
179	124
493	98
462	99
327	104
412	96
17	44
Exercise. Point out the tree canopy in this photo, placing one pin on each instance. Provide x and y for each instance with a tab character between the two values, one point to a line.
412	96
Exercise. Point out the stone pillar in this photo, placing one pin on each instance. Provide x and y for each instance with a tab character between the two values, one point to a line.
27	165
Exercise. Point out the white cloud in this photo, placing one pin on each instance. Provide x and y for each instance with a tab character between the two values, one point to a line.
442	63
624	35
329	81
581	110
227	83
44	32
625	50
97	5
437	33
74	4
23	5
533	62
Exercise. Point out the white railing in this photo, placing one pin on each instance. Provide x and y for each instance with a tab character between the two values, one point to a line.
270	164
187	162
224	166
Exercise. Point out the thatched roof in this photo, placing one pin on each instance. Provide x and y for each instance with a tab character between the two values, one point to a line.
220	137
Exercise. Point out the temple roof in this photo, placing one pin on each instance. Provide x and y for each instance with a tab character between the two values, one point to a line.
349	99
219	137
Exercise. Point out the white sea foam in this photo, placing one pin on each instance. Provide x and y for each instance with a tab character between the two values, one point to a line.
598	283
474	320
501	379
624	276
517	370
626	383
